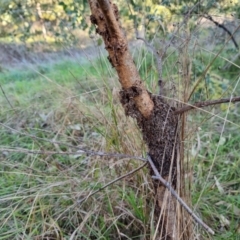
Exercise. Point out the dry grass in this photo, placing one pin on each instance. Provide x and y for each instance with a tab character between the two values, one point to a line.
42	193
68	107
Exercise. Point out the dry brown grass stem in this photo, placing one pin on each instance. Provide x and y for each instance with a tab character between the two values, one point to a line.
3	92
210	64
55	142
113	181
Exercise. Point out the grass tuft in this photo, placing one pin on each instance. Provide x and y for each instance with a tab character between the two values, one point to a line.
72	105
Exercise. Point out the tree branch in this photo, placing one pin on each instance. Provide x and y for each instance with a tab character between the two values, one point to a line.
184	205
223	27
105	17
112	182
207	103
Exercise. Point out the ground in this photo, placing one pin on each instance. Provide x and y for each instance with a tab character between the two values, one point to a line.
55	105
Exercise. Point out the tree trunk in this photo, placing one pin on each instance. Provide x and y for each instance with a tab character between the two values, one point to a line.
155	118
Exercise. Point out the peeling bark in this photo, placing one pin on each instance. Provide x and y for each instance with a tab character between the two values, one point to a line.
155	118
105	17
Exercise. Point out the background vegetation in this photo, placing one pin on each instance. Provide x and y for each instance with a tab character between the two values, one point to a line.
59	100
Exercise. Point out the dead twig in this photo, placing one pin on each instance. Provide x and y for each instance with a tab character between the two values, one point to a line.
112	182
172	191
207	103
3	92
186	17
81	151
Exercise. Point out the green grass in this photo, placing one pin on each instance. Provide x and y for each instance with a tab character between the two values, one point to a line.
76	106
219	196
65	102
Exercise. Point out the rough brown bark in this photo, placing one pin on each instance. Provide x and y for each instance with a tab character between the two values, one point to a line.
105	16
160	134
155	117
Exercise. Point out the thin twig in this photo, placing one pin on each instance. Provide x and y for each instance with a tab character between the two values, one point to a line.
159	61
207	103
231	62
186	17
6	97
158	58
207	16
184	205
210	64
112	182
81	151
